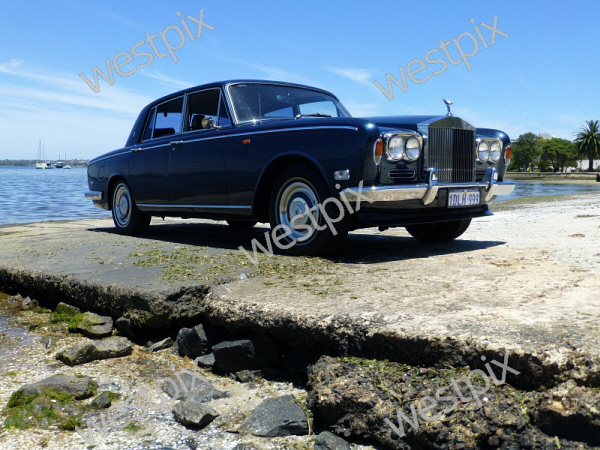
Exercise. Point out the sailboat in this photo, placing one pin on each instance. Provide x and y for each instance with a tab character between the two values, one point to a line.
40	164
66	166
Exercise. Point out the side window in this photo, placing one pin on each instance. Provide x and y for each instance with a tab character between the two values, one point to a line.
168	118
224	119
200	105
149	125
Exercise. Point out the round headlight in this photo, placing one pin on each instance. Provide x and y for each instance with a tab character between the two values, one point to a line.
483	151
396	148
413	149
495	151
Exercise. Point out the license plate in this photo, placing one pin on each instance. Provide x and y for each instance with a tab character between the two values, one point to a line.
463	197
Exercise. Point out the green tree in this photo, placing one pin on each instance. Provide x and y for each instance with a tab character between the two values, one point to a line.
560	153
526	151
587	140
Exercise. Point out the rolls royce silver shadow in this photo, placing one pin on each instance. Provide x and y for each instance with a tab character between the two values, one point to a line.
251	151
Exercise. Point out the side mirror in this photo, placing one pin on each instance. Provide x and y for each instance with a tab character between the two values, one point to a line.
208	123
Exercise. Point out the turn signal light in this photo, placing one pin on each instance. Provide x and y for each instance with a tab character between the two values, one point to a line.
377	150
508	153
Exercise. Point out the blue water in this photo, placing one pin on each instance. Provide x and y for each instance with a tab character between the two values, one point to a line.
29	195
540	189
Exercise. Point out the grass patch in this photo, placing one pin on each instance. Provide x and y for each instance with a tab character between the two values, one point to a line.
133	427
43	410
70	425
79	321
62	314
194	264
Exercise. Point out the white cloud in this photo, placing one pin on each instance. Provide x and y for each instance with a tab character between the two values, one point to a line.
62	110
362	76
167	80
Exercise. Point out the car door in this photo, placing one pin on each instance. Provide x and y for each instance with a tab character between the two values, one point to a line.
197	175
149	165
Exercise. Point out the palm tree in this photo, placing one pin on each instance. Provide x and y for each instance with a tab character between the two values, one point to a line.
587	140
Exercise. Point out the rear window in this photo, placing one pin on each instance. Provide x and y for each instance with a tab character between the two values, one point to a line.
164	119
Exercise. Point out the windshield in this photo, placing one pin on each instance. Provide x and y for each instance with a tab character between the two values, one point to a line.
259	102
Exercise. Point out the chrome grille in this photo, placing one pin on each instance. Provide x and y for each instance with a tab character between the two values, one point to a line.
452	153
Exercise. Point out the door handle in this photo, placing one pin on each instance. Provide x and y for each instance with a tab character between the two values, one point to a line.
175	142
136	150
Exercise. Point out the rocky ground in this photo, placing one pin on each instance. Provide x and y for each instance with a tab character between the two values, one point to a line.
520	285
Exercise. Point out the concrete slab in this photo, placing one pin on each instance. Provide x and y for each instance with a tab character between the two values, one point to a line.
525	280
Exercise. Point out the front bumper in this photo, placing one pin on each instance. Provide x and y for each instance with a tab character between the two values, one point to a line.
427	192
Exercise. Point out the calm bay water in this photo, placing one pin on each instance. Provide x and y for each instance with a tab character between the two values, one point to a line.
30	195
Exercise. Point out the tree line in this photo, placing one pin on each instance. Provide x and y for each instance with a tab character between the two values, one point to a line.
531	150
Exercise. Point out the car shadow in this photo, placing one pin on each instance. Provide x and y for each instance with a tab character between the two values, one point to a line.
359	248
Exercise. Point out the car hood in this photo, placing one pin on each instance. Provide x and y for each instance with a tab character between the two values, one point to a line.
387	123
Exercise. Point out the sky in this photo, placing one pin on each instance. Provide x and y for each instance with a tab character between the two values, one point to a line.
541	74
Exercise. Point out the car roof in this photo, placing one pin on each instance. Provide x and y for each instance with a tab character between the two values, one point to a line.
224	84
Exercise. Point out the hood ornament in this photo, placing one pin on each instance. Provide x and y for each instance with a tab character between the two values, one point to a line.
448	103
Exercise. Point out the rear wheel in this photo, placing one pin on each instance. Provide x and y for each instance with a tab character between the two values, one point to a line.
299	205
439	231
127	217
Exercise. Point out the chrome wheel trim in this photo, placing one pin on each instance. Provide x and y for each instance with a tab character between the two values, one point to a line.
122	205
295	202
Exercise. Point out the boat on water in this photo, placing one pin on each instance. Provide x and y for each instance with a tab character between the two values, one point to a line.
59	164
66	166
40	164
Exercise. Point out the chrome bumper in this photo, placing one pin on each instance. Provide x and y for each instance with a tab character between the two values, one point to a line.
93	195
427	192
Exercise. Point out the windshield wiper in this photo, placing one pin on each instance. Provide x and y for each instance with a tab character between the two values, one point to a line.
312	115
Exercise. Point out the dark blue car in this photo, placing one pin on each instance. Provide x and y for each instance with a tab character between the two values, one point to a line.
291	155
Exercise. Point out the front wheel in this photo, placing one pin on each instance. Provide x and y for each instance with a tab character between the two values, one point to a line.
439	231
305	219
127	217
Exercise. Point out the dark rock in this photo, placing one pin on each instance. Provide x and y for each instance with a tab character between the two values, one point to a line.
124	326
329	441
79	387
190	386
84	352
245	376
103	401
206	361
161	345
570	412
28	303
66	309
246	354
296	361
91	325
191	342
346	398
194	414
276	417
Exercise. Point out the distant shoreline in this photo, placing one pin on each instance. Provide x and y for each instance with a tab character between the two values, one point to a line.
550	177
